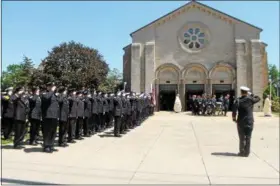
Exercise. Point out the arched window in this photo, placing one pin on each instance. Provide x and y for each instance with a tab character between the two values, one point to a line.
194	38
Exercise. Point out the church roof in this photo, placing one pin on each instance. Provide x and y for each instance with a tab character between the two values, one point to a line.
199	4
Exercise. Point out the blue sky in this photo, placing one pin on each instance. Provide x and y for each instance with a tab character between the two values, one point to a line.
32	28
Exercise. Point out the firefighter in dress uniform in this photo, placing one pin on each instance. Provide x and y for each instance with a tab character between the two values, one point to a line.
243	109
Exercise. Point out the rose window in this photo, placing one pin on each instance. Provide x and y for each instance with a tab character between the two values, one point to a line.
194	38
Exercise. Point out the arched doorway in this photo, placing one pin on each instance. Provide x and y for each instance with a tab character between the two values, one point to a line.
167	78
195	80
222	80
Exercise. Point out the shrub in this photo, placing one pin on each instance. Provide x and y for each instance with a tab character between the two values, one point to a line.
275	104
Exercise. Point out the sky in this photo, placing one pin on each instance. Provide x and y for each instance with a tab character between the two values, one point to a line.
33	28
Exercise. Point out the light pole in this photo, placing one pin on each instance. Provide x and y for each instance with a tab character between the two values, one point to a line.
124	84
270	83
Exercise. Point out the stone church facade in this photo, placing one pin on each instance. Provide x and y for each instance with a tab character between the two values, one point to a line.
196	49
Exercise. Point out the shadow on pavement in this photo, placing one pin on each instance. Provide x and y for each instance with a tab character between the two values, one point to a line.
7	147
24	182
224	154
33	149
106	135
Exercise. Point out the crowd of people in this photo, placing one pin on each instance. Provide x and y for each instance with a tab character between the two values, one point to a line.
209	105
76	114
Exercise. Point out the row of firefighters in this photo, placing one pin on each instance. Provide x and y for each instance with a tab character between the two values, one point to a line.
78	114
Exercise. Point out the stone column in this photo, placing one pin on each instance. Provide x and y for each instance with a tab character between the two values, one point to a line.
149	65
257	89
135	67
182	93
241	75
208	86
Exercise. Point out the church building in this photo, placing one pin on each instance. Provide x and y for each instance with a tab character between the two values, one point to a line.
192	50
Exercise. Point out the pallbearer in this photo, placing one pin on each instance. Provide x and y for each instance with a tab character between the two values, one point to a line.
50	114
111	109
63	116
35	116
124	114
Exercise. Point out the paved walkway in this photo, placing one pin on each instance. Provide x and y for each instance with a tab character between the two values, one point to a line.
167	148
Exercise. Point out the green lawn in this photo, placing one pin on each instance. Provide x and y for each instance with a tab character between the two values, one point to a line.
5	142
275	114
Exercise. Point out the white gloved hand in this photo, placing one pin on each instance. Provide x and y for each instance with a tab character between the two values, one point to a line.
53	88
20	92
56	94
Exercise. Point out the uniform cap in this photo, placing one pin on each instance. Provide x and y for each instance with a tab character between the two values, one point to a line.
244	88
85	92
50	84
61	89
19	89
10	88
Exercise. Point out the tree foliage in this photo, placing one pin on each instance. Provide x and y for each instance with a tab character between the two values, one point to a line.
72	64
17	74
273	72
112	82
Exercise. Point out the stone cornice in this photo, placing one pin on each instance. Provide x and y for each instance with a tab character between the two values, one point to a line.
194	5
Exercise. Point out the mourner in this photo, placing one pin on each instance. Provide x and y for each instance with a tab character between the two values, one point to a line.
20	117
8	112
80	115
63	116
35	115
243	109
50	115
77	114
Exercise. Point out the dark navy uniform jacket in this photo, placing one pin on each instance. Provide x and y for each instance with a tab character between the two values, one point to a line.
244	106
64	108
35	105
50	106
88	107
8	106
117	106
81	107
94	105
21	109
73	107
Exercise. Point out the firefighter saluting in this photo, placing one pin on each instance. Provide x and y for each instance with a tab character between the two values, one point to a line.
245	120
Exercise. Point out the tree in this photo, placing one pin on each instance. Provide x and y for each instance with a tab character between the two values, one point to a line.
112	81
11	77
27	71
74	64
18	74
273	72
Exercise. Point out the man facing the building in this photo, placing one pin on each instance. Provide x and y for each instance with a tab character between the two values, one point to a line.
245	120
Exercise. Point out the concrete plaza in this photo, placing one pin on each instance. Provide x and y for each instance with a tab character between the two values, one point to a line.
167	148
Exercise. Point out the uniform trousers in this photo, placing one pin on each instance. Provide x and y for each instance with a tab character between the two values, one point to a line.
79	127
20	128
226	109
117	125
49	132
123	123
101	121
244	133
8	125
72	129
63	128
86	126
129	121
111	118
34	130
94	122
138	117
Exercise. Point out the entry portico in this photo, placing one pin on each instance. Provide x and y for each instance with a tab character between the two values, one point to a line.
193	50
